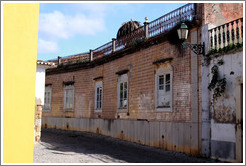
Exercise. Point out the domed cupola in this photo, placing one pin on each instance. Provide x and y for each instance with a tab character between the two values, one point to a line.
127	28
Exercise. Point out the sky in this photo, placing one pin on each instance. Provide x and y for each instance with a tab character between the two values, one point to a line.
71	28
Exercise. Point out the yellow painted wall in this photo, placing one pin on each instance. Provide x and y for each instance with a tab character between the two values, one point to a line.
20	35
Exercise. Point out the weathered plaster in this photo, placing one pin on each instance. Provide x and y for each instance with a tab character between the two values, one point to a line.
219	13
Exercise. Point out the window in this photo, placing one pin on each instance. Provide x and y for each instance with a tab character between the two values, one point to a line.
69	97
47	98
164	89
123	91
98	95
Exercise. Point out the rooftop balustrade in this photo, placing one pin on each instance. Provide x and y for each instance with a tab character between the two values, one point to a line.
149	30
228	34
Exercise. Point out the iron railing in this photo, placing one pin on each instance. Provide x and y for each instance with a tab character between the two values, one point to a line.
156	27
168	21
103	50
230	33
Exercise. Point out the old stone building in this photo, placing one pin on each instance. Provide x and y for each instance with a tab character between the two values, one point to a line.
222	81
142	87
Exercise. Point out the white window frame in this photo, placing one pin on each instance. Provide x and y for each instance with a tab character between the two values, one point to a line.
159	72
122	80
98	84
47	90
69	87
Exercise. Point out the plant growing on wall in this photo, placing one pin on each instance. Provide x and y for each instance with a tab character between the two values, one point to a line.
220	62
217	52
136	42
217	85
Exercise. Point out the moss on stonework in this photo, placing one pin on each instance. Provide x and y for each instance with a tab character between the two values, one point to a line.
215	53
225	49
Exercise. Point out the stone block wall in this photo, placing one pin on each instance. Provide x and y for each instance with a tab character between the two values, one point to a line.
38	119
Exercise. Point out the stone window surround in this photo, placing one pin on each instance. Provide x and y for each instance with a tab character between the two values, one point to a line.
98	84
163	71
47	89
121	79
68	87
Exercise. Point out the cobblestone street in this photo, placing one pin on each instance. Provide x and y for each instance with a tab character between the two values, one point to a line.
60	147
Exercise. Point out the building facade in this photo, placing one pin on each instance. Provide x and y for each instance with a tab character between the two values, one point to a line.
142	87
222	79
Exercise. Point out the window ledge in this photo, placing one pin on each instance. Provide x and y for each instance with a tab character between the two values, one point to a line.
122	109
163	60
68	83
163	109
122	72
68	110
98	110
97	78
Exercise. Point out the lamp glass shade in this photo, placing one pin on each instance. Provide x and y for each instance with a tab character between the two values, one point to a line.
183	32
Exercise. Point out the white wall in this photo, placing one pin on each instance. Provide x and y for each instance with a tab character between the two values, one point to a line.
40	83
232	63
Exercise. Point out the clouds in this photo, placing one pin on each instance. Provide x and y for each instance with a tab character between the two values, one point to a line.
57	25
47	46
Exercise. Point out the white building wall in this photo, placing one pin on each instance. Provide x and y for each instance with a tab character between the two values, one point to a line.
40	83
223	110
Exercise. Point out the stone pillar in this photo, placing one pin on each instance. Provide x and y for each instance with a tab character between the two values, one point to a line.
59	60
38	118
91	55
146	28
206	143
195	125
113	44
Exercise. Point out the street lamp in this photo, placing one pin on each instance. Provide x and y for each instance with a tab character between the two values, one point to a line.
183	34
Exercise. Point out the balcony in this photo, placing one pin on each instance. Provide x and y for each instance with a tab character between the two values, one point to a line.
226	36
